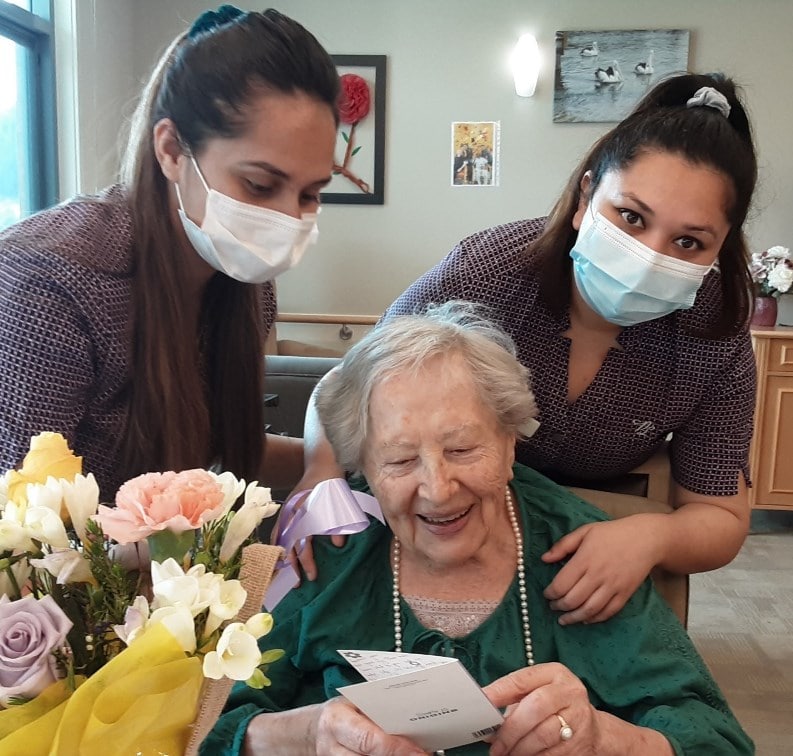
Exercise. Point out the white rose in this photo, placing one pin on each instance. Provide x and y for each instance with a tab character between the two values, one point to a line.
778	253
237	655
781	277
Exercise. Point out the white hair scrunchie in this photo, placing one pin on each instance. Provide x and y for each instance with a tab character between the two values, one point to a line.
708	97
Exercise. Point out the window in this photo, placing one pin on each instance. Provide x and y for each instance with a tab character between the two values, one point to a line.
28	158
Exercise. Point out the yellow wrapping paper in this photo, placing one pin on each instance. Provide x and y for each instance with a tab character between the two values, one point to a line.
141	702
148	700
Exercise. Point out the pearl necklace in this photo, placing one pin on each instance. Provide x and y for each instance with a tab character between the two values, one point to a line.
524	606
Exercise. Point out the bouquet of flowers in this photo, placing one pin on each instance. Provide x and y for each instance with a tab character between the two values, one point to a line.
772	271
125	625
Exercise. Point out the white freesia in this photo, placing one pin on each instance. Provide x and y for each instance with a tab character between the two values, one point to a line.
259	624
135	619
21	524
68	565
237	655
258	505
4	489
49	494
780	277
179	622
82	501
231	487
229	600
194	590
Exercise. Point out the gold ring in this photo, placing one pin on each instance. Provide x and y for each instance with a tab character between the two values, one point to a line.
565	731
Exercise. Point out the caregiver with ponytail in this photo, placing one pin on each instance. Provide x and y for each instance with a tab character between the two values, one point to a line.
133	322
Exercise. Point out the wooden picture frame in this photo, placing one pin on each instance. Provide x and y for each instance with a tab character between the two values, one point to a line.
359	173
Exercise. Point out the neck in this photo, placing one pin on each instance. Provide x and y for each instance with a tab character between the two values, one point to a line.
583	317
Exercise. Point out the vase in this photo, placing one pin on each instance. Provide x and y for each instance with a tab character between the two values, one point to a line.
784	313
764	311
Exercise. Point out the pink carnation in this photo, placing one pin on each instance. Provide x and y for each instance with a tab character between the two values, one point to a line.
162	501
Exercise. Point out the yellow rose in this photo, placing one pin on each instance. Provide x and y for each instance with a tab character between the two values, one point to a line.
49	456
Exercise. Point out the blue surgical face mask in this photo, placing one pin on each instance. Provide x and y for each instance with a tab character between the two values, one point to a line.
626	282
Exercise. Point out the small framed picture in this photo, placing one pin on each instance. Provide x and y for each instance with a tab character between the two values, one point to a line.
359	165
475	153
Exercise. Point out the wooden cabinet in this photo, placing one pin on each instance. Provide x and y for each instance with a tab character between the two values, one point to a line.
772	447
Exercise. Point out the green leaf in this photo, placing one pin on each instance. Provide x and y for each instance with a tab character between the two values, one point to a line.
166	544
273	655
344	135
356	150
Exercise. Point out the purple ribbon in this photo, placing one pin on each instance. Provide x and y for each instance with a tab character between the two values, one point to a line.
331	508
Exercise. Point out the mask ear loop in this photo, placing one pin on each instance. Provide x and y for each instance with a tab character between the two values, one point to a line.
198	171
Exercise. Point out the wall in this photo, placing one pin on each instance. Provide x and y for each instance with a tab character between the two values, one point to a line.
448	61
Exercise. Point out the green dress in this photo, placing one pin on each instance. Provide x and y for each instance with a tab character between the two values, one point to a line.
640	666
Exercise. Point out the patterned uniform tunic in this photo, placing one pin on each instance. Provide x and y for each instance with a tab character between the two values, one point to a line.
660	381
65	331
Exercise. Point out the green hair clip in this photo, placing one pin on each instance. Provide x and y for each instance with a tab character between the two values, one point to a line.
212	19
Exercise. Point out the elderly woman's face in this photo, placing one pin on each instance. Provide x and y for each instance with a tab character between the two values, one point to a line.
437	460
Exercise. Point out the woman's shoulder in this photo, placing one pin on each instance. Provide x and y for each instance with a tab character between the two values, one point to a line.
343	572
92	233
560	510
505	247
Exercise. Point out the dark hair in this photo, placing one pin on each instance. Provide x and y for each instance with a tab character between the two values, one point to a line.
703	136
196	398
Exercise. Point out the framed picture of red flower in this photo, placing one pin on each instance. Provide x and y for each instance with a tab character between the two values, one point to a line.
359	161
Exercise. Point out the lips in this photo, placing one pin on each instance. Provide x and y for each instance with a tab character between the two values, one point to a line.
445	520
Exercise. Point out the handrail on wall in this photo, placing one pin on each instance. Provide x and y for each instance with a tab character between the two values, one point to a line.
345	321
300	317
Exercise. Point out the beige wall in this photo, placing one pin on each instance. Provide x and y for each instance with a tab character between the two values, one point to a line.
448	61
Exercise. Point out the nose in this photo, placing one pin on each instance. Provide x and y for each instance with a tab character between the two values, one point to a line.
288	204
438	483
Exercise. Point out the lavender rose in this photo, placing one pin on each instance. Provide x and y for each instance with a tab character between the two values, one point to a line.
30	630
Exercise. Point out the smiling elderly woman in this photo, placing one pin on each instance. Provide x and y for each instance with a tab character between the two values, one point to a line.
429	408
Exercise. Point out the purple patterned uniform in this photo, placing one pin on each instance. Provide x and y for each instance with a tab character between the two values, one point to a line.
65	305
661	381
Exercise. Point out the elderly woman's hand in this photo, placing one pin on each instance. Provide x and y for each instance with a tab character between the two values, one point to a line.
341	728
609	562
333	727
548	711
536	697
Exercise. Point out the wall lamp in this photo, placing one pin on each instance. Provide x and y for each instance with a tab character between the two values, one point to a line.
526	65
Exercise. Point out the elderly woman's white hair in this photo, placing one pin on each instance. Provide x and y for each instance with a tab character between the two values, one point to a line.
405	344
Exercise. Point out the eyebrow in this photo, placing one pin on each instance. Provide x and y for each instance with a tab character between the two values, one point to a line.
278	173
647	209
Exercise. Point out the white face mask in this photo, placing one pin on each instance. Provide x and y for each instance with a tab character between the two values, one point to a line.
627	282
248	243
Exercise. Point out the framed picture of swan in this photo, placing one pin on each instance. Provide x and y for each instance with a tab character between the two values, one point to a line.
600	75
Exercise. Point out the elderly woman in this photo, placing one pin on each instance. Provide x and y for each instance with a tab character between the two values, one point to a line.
429	409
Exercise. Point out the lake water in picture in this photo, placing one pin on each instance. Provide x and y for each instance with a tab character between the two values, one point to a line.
596	72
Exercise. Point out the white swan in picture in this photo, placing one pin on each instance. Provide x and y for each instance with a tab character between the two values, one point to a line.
590	51
610	75
645	68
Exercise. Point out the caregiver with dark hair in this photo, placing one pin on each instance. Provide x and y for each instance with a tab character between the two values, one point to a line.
133	322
